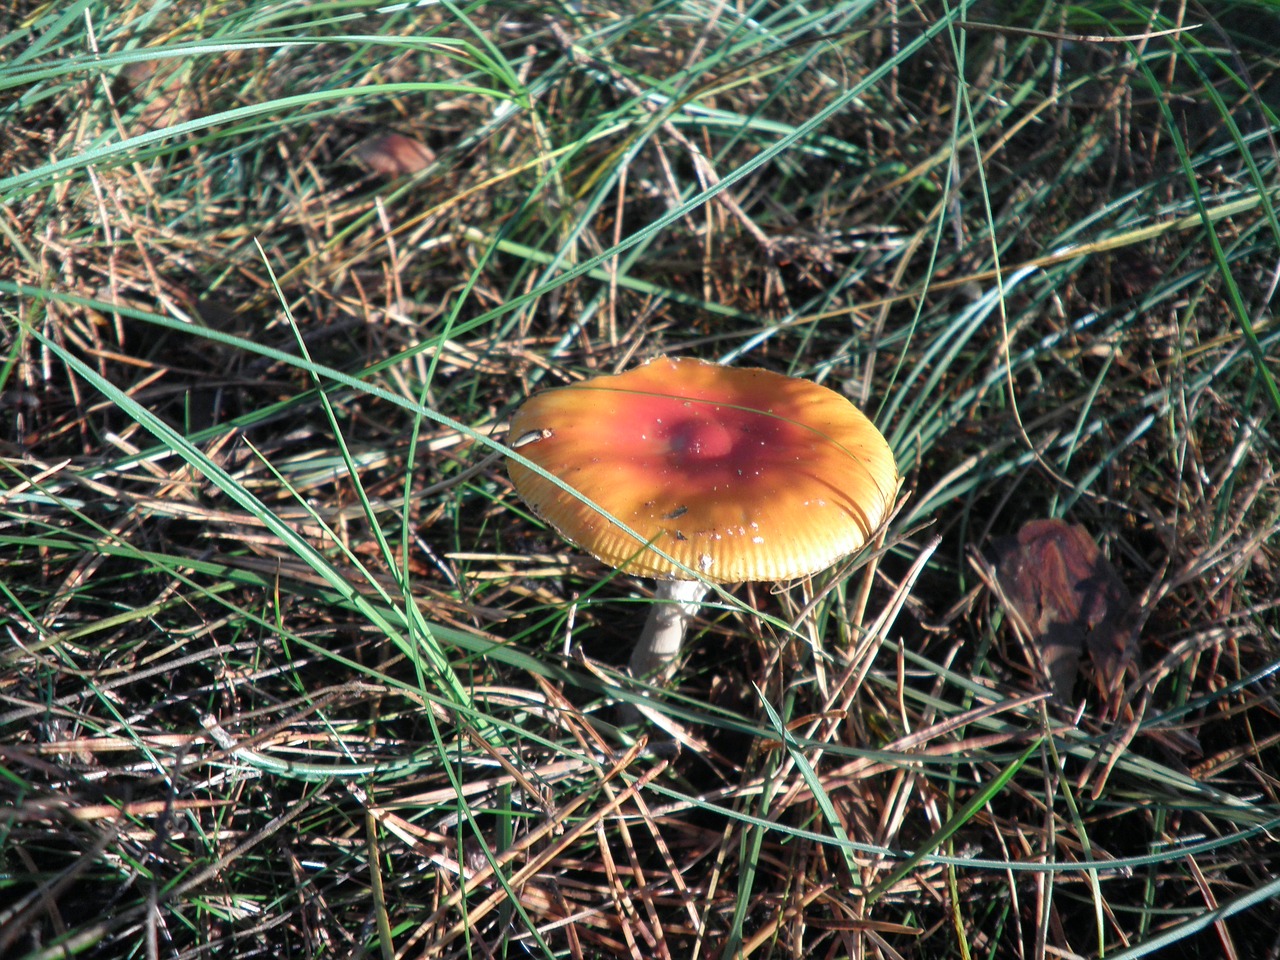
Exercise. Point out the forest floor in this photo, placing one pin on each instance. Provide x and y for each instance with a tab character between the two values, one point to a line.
288	668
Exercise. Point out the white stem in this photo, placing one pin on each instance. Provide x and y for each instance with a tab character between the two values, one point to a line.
677	603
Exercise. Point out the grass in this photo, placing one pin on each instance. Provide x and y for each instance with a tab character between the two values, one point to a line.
289	670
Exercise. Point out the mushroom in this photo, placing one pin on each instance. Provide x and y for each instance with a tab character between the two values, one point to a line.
705	474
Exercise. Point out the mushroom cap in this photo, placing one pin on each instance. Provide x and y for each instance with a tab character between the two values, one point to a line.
739	474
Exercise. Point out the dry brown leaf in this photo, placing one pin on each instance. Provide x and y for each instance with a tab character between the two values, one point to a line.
171	100
394	155
1069	599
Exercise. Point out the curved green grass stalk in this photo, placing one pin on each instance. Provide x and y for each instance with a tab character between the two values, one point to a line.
174	441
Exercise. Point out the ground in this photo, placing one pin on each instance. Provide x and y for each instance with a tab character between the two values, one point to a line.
289	669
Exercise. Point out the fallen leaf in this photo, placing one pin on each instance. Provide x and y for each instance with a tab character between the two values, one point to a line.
164	90
1067	599
394	155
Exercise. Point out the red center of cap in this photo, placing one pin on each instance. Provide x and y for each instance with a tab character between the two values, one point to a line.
709	444
696	439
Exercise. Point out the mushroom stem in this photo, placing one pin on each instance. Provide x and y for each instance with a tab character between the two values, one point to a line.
677	603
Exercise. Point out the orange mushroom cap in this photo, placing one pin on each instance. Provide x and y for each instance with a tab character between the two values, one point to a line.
738	474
